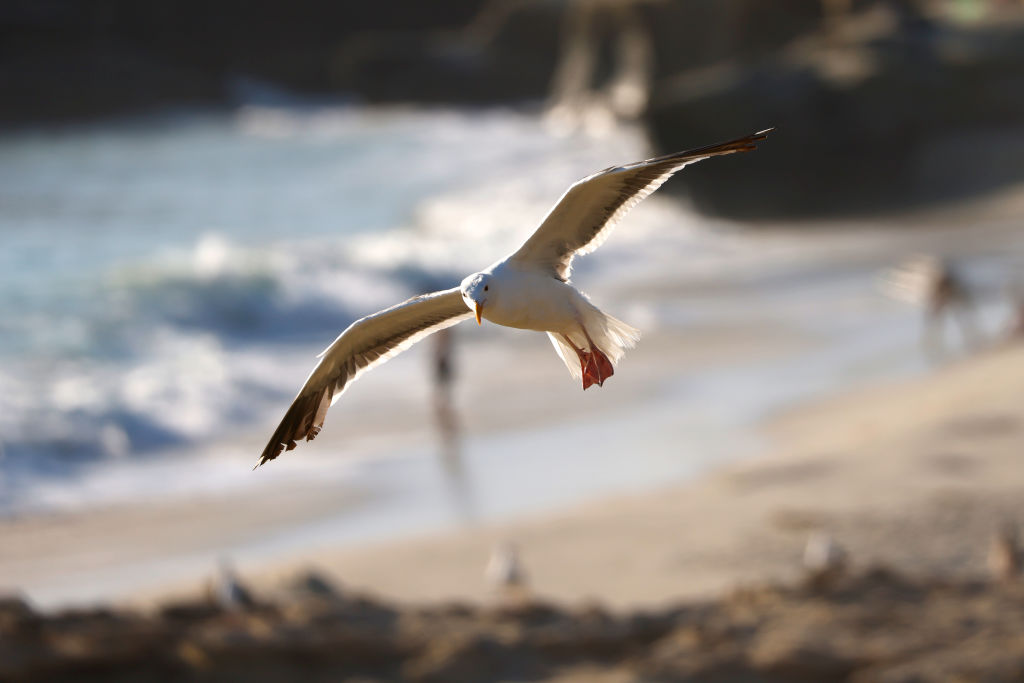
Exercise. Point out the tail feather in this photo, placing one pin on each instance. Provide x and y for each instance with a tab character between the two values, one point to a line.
568	356
615	337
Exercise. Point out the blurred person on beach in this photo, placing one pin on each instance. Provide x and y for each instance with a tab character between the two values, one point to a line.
1015	330
931	282
580	98
949	298
447	421
1017	326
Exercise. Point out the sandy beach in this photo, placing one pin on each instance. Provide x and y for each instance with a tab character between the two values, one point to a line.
915	476
700	581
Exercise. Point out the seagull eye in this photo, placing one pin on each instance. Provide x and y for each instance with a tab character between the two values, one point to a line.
486	287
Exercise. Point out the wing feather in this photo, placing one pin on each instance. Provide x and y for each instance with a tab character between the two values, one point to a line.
365	344
584	216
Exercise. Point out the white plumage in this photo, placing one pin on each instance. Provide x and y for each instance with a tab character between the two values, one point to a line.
529	289
504	570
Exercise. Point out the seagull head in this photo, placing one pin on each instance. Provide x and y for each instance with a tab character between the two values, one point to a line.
475	291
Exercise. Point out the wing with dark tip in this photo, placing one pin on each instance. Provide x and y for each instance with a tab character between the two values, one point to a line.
585	215
366	343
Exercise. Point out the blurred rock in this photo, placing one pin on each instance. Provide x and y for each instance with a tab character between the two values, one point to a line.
506	54
72	59
311	585
13	606
92	57
901	113
512	50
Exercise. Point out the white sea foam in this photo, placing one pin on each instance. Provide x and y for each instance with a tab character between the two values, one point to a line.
171	266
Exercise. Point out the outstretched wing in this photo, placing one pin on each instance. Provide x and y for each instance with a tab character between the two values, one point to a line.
366	343
585	215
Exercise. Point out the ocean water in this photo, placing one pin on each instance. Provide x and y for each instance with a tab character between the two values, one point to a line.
164	280
152	271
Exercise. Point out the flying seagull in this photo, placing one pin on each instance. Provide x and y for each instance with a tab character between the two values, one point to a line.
530	289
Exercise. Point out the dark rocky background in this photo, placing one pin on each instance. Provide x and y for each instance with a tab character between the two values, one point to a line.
69	59
879	105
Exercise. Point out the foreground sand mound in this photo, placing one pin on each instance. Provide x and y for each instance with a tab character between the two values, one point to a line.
875	626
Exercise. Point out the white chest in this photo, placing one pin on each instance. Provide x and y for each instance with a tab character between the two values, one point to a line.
532	301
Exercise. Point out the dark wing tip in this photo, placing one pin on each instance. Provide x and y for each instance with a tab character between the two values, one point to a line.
757	137
271	451
304	420
746	143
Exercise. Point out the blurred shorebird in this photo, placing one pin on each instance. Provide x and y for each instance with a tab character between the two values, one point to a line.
529	289
824	559
1004	554
504	572
227	589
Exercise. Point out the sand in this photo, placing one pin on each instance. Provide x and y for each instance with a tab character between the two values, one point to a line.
915	476
702	579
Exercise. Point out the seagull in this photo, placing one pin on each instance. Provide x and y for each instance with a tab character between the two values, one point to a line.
823	554
1004	554
228	591
504	571
529	289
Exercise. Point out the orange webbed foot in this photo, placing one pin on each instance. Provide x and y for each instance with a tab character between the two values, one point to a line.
586	363
596	368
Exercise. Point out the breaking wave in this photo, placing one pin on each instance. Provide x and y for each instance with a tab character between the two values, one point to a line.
166	282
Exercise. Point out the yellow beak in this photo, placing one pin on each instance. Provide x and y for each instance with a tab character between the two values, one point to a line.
479	310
